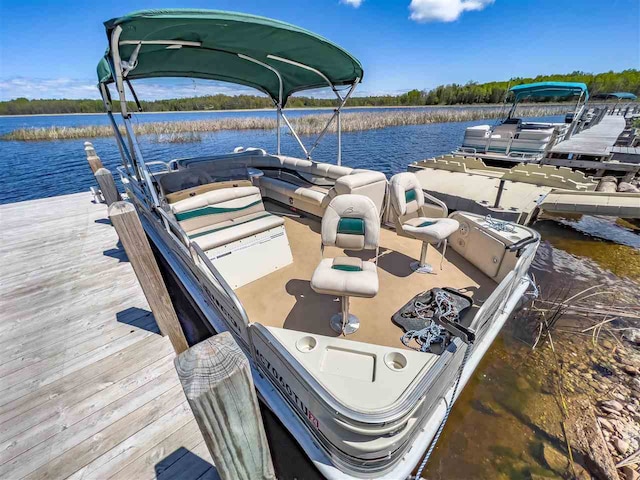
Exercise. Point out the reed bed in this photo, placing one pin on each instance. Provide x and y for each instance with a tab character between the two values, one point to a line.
304	125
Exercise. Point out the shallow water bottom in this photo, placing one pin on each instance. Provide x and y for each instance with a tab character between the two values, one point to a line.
511	408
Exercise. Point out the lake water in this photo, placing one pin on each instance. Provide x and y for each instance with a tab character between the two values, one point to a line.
488	435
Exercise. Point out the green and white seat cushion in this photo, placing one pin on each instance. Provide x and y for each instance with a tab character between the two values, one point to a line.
223	216
407	199
350	222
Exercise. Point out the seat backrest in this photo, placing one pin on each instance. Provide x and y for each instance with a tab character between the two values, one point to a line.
406	193
351	222
369	183
217	206
182	180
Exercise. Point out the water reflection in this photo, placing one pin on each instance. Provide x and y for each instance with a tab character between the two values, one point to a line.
508	411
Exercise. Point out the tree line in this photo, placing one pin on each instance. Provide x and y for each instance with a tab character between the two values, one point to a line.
454	94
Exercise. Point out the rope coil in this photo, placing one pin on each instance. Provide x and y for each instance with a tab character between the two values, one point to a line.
432	333
500	225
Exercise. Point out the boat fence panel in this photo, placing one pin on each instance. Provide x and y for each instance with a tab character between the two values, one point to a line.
494	305
550	176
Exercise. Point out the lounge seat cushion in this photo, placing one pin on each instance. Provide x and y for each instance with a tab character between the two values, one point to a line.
343	280
313	195
431	230
235	229
216	206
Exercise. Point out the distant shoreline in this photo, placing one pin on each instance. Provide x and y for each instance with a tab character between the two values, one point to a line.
471	105
191	129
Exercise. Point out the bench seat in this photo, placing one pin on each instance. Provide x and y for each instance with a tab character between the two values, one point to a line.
235	229
243	241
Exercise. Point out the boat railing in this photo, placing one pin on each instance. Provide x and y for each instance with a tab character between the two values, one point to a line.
227	298
497	301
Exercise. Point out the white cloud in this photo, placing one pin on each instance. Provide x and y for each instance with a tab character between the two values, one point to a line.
352	3
153	89
47	88
444	10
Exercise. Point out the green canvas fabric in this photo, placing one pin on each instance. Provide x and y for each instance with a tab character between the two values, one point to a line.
351	226
549	89
410	195
426	224
198	212
223	35
347	268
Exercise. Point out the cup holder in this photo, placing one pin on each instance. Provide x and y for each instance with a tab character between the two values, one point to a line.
395	361
306	344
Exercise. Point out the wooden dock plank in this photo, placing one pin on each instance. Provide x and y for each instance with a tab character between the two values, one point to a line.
597	140
162	456
87	385
195	464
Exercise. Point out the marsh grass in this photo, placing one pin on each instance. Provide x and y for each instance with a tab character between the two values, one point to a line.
189	130
178	137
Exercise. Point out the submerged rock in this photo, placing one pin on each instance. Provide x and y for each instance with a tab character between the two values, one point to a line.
621	446
554	459
611	405
633	335
629	473
606	424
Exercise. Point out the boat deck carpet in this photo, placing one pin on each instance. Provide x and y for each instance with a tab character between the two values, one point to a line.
285	299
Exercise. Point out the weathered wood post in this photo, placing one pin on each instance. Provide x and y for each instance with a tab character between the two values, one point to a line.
92	157
216	378
126	222
107	186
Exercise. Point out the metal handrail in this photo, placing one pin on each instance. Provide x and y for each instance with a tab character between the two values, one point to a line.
500	296
170	222
438	202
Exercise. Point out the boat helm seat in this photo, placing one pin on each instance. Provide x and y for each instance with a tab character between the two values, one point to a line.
407	201
350	222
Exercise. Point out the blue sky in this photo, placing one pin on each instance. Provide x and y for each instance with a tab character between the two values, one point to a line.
49	49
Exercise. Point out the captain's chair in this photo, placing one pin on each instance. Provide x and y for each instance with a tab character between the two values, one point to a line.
407	200
350	222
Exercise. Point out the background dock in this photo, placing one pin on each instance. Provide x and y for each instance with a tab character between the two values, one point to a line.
87	385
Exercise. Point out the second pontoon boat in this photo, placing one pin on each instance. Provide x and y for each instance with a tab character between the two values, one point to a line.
513	140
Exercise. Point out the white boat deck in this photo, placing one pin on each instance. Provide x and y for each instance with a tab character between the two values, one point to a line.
623	205
597	140
87	385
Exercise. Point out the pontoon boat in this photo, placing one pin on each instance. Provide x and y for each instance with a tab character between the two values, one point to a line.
318	270
513	140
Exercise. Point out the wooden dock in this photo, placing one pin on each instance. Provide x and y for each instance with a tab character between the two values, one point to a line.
597	140
87	385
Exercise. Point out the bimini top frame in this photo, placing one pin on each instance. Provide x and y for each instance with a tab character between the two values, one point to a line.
274	57
548	90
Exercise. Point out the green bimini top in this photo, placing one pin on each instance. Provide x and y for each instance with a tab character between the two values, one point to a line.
226	46
618	95
549	89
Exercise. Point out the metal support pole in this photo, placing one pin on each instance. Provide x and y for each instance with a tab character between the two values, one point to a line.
422	266
339	162
499	194
278	133
295	135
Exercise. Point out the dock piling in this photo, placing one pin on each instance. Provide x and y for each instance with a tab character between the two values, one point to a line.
216	378
107	186
92	157
127	224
